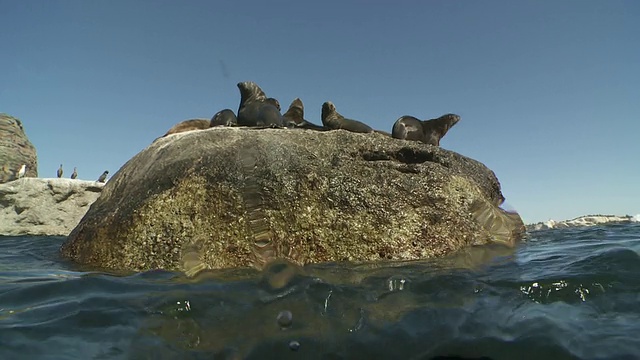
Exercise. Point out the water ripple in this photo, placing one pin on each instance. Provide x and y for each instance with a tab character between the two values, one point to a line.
565	294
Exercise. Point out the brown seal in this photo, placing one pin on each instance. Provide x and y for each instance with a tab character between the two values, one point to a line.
224	117
255	108
188	125
427	131
334	121
274	102
294	117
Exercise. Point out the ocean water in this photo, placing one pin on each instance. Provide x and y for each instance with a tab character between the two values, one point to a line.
563	294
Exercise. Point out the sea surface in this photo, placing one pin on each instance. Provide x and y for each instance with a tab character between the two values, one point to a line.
562	294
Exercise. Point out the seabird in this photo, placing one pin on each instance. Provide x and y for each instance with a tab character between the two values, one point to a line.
103	177
22	171
75	173
60	171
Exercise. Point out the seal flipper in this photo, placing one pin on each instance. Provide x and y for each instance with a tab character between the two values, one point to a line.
310	126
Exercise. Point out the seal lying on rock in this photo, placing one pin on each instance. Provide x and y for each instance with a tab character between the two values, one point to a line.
334	121
427	131
255	109
188	125
224	117
294	117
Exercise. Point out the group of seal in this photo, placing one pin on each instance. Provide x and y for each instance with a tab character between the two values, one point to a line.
258	110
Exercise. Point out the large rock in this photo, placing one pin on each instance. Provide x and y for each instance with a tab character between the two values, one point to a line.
34	206
237	197
15	149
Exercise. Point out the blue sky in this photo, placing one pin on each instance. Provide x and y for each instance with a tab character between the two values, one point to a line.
548	91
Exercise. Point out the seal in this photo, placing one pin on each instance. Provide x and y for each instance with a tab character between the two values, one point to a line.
103	177
334	121
274	102
269	115
75	173
224	117
60	171
255	109
295	113
294	117
427	131
188	125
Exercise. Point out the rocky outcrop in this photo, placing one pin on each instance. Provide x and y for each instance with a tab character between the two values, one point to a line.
582	221
15	150
34	206
238	197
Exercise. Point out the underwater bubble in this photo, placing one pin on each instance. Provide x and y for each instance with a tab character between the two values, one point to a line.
294	345
285	318
396	283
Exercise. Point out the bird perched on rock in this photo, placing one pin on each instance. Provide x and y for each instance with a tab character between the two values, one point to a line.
75	173
22	171
103	177
60	171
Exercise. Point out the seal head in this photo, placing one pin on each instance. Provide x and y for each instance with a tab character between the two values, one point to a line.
224	117
334	121
295	113
273	102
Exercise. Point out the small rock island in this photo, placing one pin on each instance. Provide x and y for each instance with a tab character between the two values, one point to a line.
237	197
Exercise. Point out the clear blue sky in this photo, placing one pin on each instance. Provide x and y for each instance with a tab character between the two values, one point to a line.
548	91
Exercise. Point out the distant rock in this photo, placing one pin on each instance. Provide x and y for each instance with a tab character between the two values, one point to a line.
241	197
586	220
35	206
15	150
